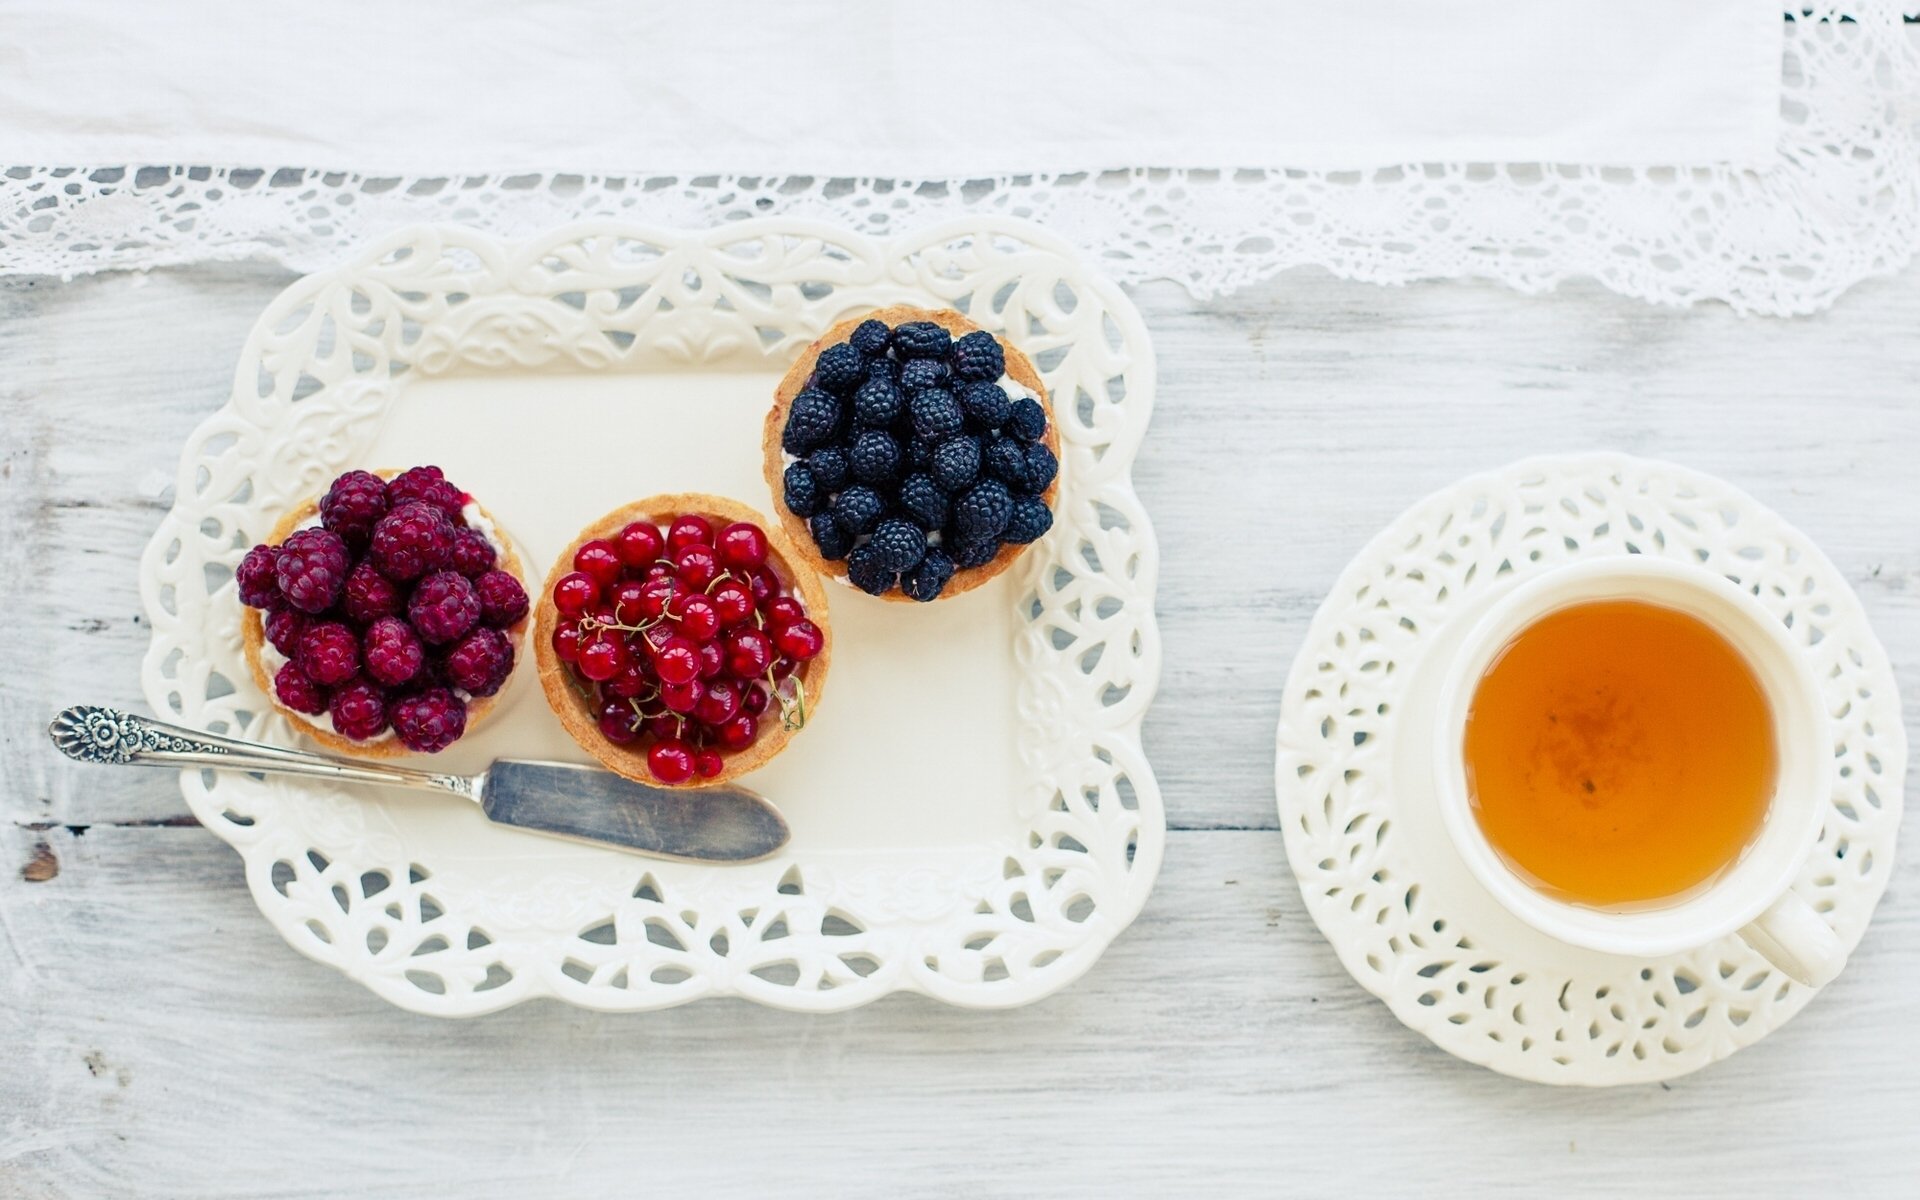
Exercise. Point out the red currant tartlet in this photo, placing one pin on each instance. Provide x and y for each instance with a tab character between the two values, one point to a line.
912	454
681	641
384	615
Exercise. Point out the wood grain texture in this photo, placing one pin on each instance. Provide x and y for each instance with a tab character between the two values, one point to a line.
160	1039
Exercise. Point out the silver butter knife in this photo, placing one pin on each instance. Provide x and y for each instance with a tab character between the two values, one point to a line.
718	824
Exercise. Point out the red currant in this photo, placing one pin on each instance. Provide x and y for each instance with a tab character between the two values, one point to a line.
575	591
699	619
720	704
638	544
677	661
764	585
783	667
618	723
742	545
598	560
566	642
707	764
732	601
738	733
712	661
748	653
629	602
782	611
695	565
664	727
682	697
755	700
801	640
689	530
657	593
603	658
633	681
670	761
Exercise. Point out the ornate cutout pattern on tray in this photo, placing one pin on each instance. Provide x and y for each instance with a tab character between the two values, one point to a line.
336	349
1398	908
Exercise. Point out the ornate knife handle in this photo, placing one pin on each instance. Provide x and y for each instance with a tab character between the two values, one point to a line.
108	735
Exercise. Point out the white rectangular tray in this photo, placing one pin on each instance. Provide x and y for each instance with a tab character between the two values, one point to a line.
973	816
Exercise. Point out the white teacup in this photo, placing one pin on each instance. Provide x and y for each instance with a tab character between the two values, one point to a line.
1752	895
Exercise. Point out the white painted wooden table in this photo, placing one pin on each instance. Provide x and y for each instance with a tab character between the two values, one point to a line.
157	1039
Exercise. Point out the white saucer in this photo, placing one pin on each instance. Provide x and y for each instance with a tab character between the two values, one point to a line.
1378	871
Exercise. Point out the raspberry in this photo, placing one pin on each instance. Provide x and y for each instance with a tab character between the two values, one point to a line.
480	662
1030	521
839	369
443	607
857	509
1027	421
922	499
473	554
801	491
867	572
426	485
371	595
956	463
283	626
877	404
984	510
393	651
811	421
870	338
922	339
986	405
1006	460
925	581
410	541
430	721
918	373
875	457
257	580
899	544
502	600
359	711
833	541
830	467
299	693
356	500
1042	466
969	553
328	653
978	355
312	569
936	414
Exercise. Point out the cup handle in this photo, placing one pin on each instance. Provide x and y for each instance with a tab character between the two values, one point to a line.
1795	939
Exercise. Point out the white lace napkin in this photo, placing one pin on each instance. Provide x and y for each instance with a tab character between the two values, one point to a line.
897	90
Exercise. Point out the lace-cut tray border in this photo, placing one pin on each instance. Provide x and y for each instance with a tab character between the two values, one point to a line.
990	927
1374	865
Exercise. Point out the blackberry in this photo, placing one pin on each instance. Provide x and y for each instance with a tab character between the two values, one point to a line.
899	543
969	553
257	580
353	503
802	494
921	498
839	369
857	509
877	404
984	510
1027	421
956	463
978	355
830	468
429	721
410	541
936	414
1030	521
875	456
919	455
871	338
986	405
833	541
811	421
1042	466
1006	460
917	373
312	565
868	573
922	339
925	581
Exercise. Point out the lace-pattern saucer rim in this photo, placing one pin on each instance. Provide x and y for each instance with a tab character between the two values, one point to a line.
1552	1013
852	926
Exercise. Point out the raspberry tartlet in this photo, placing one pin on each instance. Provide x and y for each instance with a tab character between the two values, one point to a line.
384	615
912	454
681	641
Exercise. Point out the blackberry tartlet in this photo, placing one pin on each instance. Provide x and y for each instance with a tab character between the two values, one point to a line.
681	640
912	454
384	615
